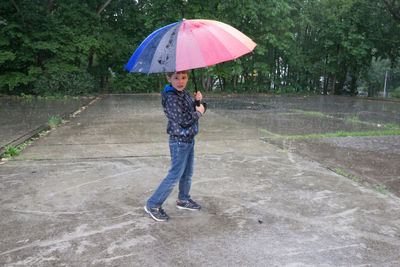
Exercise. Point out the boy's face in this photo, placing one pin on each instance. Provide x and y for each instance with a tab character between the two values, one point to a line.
178	81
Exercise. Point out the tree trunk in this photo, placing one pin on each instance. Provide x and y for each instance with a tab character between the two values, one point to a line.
160	85
203	82
19	11
353	84
101	82
342	80
209	81
90	64
234	78
220	83
326	82
278	73
106	85
206	81
50	5
103	7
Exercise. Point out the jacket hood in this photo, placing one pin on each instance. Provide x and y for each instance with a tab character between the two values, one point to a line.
168	88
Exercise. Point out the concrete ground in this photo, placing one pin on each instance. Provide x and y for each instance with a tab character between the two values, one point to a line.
20	119
75	197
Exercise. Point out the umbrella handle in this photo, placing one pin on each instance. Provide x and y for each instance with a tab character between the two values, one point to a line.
197	102
194	80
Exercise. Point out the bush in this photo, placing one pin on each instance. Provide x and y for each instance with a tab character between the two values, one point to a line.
137	83
64	83
396	92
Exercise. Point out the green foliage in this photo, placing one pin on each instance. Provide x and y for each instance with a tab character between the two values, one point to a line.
396	92
66	47
64	83
138	83
382	189
347	175
353	118
11	152
314	113
55	120
394	131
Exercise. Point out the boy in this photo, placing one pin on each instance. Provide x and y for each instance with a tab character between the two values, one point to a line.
182	126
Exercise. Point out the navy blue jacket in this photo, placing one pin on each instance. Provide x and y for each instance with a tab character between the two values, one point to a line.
181	113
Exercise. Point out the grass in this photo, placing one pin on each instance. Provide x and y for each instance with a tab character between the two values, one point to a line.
268	132
339	134
393	129
314	113
55	120
11	151
380	188
42	133
349	176
351	118
391	125
354	118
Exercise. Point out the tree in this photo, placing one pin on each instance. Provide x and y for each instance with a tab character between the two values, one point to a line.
313	46
394	8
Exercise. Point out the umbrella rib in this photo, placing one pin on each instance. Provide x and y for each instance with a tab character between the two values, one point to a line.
164	58
220	24
216	38
189	44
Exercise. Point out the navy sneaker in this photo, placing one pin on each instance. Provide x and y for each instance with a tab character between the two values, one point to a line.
188	205
157	214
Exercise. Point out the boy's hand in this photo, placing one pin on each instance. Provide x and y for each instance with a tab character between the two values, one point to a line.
200	108
198	96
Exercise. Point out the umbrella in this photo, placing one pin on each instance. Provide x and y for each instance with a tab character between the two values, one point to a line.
189	44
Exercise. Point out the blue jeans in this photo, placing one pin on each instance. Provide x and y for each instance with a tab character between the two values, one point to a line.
182	157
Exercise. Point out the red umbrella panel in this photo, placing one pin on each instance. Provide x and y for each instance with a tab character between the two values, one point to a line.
189	44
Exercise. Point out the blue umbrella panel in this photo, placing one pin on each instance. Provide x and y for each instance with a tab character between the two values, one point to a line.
157	52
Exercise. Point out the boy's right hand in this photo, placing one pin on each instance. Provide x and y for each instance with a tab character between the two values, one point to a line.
200	109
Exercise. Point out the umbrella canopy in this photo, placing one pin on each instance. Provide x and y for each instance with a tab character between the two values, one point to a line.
189	44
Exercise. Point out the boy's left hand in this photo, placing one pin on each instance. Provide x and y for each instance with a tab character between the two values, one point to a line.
198	96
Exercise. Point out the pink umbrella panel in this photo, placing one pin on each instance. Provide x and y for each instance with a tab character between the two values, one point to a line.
189	44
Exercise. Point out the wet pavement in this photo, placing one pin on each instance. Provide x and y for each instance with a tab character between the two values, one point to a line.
22	118
372	159
76	195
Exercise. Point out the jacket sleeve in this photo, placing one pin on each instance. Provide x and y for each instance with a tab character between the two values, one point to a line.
178	112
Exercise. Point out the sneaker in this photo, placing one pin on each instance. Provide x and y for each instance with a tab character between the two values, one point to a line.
157	214
188	205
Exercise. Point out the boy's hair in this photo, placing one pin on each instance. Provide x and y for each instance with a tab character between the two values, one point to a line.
169	74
